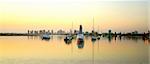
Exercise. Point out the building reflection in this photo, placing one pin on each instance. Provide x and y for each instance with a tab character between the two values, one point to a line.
60	37
33	37
81	44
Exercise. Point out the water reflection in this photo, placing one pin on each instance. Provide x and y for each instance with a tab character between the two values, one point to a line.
60	37
58	51
68	42
33	37
46	39
120	38
80	44
93	41
109	39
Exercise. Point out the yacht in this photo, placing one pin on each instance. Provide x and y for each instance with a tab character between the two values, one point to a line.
68	37
45	36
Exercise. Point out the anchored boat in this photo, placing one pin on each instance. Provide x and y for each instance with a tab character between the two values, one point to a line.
45	36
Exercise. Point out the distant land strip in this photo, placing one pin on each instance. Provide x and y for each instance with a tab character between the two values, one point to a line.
16	34
21	34
26	34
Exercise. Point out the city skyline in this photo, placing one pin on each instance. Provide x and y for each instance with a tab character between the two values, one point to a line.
117	15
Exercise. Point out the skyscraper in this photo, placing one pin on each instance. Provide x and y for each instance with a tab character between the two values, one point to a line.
80	29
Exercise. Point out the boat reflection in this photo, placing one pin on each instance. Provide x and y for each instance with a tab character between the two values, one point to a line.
46	39
109	39
33	50
80	44
93	41
68	42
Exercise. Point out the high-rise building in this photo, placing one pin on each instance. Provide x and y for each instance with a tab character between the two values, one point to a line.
80	29
60	32
52	32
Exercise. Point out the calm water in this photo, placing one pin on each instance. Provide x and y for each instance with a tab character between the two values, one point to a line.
33	50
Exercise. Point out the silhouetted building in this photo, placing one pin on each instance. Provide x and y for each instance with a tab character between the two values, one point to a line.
35	33
31	32
75	32
135	32
48	32
80	29
52	32
109	31
71	31
28	31
43	31
60	32
40	31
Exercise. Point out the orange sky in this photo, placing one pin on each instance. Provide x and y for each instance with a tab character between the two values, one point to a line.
125	16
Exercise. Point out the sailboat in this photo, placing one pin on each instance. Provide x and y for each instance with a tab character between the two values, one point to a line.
93	33
45	36
69	36
93	37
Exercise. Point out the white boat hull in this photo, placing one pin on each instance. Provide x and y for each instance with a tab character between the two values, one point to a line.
80	36
45	36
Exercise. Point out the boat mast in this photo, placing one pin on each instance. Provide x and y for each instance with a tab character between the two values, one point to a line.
93	23
72	28
72	25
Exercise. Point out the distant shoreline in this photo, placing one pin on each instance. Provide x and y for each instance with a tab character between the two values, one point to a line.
15	34
21	34
26	34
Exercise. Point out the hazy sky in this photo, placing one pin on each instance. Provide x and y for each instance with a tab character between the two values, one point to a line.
118	15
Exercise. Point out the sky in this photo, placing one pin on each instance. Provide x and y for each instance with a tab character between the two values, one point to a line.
117	15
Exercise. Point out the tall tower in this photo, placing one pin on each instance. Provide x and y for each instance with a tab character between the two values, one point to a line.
80	29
